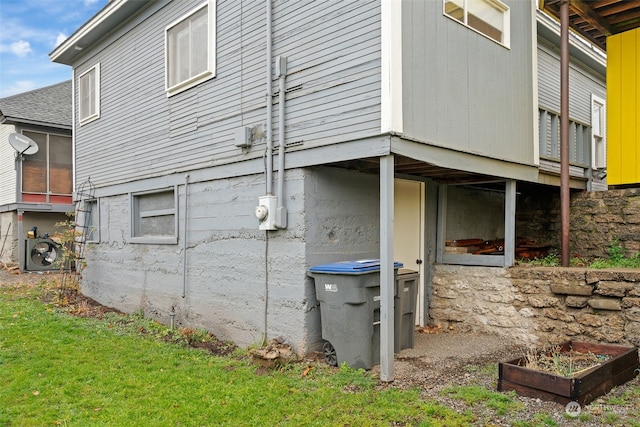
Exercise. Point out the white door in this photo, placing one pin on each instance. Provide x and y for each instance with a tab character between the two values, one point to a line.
409	231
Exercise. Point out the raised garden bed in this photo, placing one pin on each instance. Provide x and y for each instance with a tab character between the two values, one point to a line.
620	366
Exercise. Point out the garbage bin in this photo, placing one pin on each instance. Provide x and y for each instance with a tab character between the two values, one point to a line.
349	297
405	308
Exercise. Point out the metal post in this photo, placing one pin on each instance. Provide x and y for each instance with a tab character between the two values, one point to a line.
387	282
564	131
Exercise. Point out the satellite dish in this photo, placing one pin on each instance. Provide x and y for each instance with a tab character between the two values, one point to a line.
23	144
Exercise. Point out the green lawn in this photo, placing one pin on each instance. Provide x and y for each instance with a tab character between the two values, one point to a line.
56	369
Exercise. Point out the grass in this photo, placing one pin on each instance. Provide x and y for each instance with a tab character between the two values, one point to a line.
616	259
58	369
501	403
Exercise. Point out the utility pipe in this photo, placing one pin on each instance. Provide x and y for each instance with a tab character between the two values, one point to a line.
281	216
269	149
184	236
564	132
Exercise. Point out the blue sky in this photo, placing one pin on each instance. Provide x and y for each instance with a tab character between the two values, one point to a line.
29	31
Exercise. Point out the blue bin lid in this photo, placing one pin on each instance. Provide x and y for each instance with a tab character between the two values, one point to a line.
352	267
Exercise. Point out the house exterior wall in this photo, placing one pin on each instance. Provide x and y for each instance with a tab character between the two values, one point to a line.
333	88
464	91
7	166
9	234
623	102
582	83
232	267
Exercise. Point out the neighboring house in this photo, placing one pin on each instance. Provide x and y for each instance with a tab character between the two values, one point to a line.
623	64
613	26
36	189
391	130
587	108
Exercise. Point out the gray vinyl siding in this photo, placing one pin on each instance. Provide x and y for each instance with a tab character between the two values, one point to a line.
8	174
582	83
463	91
333	88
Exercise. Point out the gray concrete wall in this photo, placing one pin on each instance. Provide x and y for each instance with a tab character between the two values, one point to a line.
8	237
231	265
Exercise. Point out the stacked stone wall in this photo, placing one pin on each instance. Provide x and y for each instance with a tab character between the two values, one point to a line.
600	218
538	306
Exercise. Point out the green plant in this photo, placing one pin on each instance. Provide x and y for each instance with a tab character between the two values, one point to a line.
617	258
550	260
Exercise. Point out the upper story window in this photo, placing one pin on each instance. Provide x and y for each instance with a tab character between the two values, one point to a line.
190	49
598	133
89	94
49	170
488	17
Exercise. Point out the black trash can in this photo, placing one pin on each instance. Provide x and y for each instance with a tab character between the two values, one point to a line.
349	296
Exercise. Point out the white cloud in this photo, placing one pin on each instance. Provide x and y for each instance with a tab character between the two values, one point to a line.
60	38
90	2
21	48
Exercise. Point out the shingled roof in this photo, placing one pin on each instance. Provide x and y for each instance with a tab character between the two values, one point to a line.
48	106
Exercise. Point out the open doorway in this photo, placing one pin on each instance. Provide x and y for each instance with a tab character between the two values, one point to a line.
408	245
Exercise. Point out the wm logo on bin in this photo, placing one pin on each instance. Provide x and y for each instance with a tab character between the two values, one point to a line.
330	287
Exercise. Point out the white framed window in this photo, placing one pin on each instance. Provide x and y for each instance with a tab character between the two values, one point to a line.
154	216
89	94
490	18
598	132
190	49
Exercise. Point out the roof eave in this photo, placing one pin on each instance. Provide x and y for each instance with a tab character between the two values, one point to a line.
101	24
22	121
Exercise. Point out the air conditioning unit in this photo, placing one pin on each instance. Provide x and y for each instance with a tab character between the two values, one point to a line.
42	254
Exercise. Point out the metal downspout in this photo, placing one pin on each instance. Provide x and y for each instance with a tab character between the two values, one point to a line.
269	149
564	132
281	215
269	160
184	236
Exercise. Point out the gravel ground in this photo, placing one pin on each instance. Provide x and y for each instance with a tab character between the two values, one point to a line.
448	358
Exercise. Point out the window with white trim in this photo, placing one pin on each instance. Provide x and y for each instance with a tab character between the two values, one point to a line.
598	133
488	17
89	94
190	49
155	217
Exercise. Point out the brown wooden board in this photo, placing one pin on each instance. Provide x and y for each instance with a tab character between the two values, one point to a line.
526	391
537	380
584	387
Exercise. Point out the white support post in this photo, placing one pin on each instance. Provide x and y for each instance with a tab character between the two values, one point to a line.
509	222
387	282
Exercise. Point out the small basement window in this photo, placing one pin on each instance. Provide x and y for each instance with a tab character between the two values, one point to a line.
92	223
155	217
488	17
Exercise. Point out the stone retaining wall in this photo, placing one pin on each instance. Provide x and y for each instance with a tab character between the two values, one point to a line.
598	218
537	306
